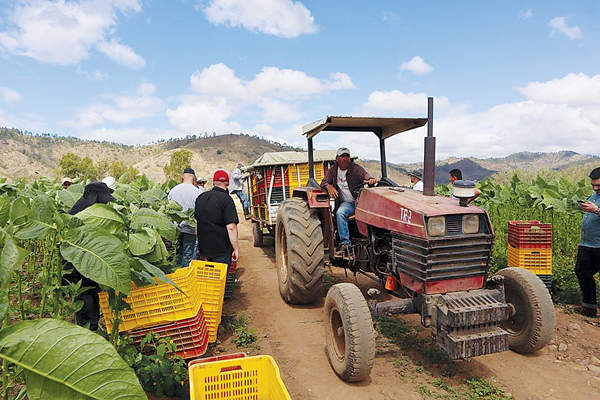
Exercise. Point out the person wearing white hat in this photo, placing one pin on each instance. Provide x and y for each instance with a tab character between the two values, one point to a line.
111	183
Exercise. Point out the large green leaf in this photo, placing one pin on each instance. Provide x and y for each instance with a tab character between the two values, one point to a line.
19	210
98	256
4	210
43	209
153	196
32	230
159	253
11	259
156	272
141	242
103	216
65	361
147	217
68	197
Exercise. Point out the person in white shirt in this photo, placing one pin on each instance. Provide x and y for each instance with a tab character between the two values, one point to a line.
415	179
237	187
185	194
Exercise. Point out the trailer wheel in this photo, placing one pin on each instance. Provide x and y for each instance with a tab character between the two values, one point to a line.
299	252
257	234
531	312
349	332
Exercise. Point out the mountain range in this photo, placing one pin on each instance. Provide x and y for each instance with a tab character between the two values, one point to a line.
25	155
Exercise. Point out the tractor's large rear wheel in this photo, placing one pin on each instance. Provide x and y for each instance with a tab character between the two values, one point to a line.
299	252
531	312
349	332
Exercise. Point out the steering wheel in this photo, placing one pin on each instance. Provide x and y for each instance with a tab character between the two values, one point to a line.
356	189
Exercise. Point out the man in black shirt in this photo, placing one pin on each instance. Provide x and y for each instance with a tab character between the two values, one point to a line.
216	222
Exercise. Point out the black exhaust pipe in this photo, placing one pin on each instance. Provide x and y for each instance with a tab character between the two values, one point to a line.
429	162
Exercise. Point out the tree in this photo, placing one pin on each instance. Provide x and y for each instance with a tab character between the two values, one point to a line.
180	160
76	167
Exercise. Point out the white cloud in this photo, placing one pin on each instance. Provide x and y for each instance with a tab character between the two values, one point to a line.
120	109
8	95
63	32
416	65
398	103
196	116
559	24
96	75
273	95
525	14
121	54
561	114
574	89
285	18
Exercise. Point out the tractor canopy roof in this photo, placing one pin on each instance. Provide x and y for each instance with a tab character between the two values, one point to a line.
382	127
291	157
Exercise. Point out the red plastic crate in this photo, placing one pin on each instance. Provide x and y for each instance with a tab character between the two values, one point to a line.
530	234
190	335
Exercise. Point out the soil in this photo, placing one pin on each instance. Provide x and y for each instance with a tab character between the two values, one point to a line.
568	368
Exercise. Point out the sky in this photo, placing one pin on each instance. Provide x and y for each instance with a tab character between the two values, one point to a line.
506	76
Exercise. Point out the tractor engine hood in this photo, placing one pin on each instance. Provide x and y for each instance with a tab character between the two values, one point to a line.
404	210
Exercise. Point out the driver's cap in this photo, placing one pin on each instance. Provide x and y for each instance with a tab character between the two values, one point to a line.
341	151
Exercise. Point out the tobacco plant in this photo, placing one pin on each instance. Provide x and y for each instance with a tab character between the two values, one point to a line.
112	244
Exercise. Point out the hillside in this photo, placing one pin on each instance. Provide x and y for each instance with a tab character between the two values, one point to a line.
24	155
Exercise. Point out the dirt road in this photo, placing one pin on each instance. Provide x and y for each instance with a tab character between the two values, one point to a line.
569	368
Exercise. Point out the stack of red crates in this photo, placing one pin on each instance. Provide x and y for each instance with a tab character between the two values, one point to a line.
530	247
190	335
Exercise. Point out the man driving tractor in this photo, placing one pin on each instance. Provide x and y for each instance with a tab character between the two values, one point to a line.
340	182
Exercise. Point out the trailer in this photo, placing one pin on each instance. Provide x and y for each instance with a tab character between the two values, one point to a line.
273	178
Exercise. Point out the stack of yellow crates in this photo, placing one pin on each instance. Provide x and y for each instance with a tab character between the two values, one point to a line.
190	317
530	247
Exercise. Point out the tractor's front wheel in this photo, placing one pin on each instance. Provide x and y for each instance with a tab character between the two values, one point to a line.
531	312
349	332
299	252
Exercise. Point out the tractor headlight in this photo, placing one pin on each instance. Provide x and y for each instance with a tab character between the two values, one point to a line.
470	223
436	226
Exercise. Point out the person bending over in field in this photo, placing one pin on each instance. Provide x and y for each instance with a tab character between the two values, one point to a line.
95	192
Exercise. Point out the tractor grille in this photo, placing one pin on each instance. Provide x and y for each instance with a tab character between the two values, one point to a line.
454	257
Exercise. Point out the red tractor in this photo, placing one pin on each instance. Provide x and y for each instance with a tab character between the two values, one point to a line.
433	252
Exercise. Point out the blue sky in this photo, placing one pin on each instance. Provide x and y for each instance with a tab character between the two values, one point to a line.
506	76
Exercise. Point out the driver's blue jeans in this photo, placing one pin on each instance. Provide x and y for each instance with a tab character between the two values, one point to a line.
341	216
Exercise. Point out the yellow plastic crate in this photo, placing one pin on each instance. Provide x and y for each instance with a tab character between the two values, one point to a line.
158	304
247	378
211	278
538	261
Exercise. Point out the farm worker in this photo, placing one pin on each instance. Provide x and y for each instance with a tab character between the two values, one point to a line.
66	182
201	182
588	253
343	177
185	195
216	223
456	175
237	188
95	192
415	179
111	183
